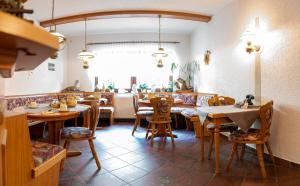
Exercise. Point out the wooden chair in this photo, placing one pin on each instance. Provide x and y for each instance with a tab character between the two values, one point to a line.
259	137
226	127
160	122
139	113
25	162
82	133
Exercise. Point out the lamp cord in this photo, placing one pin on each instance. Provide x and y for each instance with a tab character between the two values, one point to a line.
159	37
85	33
52	15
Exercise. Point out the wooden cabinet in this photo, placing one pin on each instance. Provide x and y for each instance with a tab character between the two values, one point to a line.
23	46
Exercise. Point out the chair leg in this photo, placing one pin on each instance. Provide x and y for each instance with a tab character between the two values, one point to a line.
242	151
187	123
152	131
148	130
176	120
270	152
212	139
66	146
259	150
136	123
170	133
94	153
233	152
237	154
111	118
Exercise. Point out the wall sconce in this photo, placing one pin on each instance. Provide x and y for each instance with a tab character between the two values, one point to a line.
207	57
252	38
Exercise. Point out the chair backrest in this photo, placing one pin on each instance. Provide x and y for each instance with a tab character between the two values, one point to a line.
162	108
94	114
221	101
135	103
266	114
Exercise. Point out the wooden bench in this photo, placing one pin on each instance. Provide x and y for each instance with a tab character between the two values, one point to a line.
21	160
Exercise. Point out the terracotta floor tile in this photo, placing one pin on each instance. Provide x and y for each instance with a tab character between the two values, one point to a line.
129	173
131	160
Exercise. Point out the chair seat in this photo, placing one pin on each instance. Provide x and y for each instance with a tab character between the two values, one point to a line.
240	135
177	110
76	132
145	112
41	152
226	127
190	112
145	108
111	109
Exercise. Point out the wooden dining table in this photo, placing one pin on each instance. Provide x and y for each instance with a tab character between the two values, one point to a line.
218	115
55	119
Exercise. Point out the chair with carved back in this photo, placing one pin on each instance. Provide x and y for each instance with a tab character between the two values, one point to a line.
160	122
84	133
139	113
259	137
225	127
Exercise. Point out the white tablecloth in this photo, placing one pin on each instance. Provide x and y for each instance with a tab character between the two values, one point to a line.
244	118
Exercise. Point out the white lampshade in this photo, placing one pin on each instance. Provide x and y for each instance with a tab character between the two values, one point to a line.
160	54
61	38
85	55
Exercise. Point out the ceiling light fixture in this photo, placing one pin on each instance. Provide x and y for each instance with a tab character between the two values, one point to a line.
160	53
85	55
61	38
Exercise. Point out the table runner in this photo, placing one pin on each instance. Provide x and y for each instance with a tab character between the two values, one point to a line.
244	118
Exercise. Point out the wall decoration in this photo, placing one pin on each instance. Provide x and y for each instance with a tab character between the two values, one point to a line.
51	66
207	57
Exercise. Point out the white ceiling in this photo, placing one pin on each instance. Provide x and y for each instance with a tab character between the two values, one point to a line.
42	11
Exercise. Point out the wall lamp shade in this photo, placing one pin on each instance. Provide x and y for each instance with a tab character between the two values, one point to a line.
252	43
252	38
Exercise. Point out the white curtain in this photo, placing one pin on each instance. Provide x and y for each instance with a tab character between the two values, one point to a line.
118	62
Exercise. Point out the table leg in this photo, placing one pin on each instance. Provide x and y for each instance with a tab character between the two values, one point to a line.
202	140
217	145
54	131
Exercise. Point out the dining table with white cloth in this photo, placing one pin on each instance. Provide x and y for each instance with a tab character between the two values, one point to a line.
243	117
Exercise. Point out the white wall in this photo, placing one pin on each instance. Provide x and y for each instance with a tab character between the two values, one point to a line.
231	71
40	80
76	44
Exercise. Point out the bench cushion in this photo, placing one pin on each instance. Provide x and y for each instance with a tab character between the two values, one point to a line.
188	99
145	108
41	152
190	112
76	132
145	112
240	135
111	109
176	110
202	100
228	127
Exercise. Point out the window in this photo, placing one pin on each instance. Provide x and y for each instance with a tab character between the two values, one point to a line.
118	62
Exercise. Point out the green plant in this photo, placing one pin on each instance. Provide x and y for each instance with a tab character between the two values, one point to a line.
143	86
111	86
188	70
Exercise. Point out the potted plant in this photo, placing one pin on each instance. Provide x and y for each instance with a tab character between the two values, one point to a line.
188	71
111	87
143	87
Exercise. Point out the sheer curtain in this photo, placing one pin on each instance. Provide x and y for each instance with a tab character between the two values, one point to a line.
118	62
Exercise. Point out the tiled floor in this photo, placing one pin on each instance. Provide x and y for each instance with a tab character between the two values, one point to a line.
128	160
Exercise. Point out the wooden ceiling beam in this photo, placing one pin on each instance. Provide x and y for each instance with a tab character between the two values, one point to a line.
124	14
